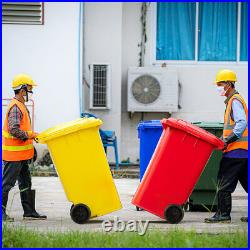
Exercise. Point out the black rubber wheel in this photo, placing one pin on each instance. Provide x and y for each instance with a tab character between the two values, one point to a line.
174	214
80	213
71	207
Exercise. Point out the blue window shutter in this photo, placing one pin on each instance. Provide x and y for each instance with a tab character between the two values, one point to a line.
175	31
244	32
217	31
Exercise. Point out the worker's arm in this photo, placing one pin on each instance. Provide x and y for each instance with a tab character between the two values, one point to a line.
14	120
239	116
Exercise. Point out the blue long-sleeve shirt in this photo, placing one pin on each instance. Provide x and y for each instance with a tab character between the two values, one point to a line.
239	116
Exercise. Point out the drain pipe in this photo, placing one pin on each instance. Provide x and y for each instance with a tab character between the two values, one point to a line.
80	57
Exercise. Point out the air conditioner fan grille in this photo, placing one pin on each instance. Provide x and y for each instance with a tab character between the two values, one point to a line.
146	89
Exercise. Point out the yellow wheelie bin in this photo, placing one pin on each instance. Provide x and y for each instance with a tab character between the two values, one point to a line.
78	155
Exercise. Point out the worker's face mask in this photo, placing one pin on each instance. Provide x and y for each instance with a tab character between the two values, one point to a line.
30	95
222	90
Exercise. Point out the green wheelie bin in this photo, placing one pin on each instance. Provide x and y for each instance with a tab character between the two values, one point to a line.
204	195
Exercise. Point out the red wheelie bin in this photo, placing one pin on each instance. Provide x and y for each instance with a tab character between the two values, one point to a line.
176	165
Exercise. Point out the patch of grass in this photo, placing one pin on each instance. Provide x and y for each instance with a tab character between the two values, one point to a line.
22	238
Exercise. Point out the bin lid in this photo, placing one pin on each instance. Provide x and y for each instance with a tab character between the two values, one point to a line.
67	128
210	125
149	124
194	130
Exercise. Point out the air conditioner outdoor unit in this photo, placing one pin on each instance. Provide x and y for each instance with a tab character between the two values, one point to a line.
152	89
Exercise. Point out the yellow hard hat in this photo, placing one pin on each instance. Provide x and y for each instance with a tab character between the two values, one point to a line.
226	75
22	79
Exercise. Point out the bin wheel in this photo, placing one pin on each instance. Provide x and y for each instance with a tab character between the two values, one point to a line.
80	213
174	214
138	209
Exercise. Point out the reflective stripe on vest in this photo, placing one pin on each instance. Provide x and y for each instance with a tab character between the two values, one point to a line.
17	148
229	125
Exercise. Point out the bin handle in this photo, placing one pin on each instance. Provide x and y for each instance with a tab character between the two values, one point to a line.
182	122
193	130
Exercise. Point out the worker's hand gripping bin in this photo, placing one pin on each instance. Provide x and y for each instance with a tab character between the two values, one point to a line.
79	157
176	165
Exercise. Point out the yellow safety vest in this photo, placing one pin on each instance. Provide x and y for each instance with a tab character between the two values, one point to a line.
229	124
14	149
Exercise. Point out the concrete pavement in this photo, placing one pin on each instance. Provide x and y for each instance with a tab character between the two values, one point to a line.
52	201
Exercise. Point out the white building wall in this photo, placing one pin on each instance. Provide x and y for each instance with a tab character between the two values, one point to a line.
49	53
103	44
131	37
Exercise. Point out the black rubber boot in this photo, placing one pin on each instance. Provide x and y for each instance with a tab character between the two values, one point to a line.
33	202
219	218
244	219
28	203
5	217
224	209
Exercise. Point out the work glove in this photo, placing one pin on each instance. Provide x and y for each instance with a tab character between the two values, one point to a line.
231	138
32	135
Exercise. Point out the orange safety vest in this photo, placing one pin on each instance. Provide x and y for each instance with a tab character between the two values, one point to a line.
14	149
229	124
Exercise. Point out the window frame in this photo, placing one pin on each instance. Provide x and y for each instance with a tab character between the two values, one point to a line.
150	54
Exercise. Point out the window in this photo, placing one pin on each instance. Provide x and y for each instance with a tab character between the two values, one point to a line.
204	31
171	19
217	31
22	12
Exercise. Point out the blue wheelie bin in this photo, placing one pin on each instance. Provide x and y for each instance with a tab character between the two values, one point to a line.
149	133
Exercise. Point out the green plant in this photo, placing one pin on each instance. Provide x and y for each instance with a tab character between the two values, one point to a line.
21	237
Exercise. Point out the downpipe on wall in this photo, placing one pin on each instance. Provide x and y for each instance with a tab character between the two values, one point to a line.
80	56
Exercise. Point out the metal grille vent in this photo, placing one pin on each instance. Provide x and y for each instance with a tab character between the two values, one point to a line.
100	85
146	89
22	12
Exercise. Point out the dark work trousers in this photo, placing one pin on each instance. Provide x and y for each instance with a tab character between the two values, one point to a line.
16	171
231	171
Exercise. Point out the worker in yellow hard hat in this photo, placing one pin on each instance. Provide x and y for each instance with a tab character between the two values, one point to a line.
18	149
234	162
